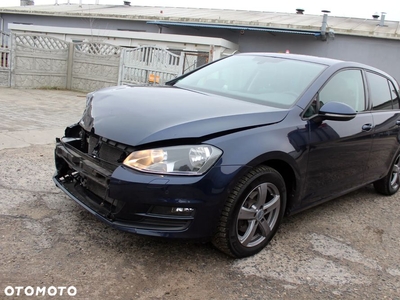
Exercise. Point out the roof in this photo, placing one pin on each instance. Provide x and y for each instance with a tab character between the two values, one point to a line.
139	38
235	27
218	18
318	60
302	57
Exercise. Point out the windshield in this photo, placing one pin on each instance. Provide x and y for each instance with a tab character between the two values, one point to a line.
272	81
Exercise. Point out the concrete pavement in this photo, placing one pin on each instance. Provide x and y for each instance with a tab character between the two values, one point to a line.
36	117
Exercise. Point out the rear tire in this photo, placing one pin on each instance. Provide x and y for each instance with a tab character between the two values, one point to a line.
252	213
390	184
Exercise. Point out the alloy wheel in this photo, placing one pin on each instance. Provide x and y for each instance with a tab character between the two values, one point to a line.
258	214
395	178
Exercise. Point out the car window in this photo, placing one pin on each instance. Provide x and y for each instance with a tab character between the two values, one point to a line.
272	81
380	93
347	87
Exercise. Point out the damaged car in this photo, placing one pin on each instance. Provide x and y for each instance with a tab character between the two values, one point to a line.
224	152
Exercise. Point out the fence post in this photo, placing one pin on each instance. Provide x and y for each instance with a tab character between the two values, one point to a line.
121	67
13	56
70	65
182	63
212	56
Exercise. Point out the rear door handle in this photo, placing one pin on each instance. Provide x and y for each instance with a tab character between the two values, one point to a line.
367	127
398	122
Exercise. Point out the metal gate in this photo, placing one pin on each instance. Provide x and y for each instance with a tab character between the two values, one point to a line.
149	65
193	60
5	59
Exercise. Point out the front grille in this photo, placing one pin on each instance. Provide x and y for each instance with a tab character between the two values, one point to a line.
89	162
104	149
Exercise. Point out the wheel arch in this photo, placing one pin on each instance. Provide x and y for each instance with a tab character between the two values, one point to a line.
288	167
226	236
289	176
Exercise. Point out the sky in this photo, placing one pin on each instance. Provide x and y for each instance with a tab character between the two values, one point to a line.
343	8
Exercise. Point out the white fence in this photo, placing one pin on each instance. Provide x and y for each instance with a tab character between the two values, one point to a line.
41	61
5	61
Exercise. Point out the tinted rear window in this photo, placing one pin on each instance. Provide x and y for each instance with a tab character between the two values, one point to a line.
380	94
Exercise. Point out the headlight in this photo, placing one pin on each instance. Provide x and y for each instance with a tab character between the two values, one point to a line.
178	160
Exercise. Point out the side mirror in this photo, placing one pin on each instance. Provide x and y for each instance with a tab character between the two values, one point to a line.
335	111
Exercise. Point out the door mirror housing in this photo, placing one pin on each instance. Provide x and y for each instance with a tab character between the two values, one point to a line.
335	111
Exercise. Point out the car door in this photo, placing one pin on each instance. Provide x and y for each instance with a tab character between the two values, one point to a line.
384	99
339	150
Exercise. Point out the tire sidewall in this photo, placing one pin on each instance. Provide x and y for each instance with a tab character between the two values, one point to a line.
265	176
389	179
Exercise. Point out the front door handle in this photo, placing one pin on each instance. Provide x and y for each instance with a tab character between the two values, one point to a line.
398	122
367	127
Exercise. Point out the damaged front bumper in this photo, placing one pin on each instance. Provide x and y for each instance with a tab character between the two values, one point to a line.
148	204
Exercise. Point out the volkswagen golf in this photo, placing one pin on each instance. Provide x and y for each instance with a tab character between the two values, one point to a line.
224	152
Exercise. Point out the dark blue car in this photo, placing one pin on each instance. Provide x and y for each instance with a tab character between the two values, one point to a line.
224	152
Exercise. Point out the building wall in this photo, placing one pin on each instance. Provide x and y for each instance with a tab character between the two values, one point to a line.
381	53
377	52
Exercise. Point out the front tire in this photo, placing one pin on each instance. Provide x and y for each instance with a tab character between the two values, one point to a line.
390	184
252	213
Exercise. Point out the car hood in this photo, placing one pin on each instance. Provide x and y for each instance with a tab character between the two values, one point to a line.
135	115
